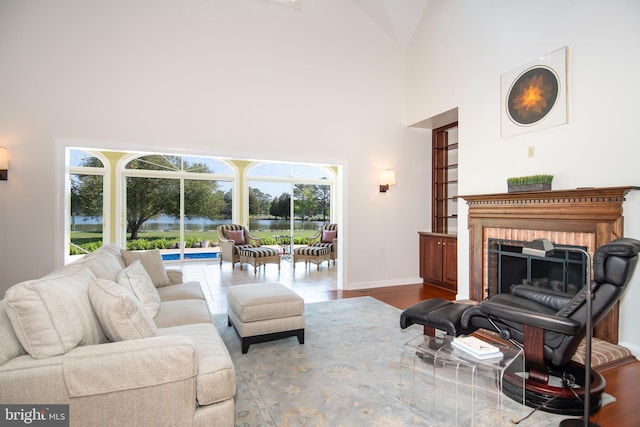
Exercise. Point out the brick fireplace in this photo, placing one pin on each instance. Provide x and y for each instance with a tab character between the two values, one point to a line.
588	217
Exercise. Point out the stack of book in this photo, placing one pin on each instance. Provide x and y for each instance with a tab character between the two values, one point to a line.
478	349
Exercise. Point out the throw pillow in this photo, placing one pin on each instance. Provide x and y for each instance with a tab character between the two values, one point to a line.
329	235
136	276
237	236
120	313
106	262
53	315
152	262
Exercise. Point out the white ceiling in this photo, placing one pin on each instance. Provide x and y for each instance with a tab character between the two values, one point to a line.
399	18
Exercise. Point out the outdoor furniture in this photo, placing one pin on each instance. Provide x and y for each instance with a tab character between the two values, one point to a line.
234	237
311	254
285	242
259	256
262	312
326	237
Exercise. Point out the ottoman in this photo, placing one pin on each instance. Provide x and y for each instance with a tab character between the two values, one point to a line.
262	312
314	254
259	256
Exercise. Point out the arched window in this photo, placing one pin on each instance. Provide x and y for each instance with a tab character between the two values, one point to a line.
175	202
272	186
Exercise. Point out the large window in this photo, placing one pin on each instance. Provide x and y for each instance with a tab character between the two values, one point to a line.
175	202
86	223
272	187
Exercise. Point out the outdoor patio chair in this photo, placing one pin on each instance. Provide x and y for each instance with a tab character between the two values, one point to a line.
234	237
327	237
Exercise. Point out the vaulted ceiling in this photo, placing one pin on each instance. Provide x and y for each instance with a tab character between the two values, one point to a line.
399	18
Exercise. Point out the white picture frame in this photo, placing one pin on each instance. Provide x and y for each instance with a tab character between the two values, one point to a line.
534	96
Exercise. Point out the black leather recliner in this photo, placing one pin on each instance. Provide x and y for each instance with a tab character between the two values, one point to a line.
548	325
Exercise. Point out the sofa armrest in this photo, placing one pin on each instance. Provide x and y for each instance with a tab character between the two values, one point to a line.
127	365
175	276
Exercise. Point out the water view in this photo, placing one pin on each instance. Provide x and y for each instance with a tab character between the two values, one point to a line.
167	223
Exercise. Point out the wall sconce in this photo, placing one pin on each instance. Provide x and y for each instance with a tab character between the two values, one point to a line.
4	164
387	178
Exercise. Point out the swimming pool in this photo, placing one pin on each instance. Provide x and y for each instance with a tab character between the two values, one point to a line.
191	255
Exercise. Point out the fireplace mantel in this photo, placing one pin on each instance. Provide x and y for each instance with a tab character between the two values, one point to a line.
595	211
581	204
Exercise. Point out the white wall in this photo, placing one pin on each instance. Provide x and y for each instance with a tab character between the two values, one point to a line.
238	78
456	59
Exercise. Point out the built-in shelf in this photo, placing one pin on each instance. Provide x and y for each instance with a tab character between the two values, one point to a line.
444	178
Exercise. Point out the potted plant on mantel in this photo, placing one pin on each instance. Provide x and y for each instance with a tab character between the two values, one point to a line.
529	183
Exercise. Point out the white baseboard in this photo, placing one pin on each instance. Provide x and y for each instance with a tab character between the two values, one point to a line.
634	349
382	283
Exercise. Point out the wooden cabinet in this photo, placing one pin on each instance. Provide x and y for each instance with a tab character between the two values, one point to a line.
439	260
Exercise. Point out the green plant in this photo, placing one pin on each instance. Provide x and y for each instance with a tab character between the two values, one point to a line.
533	179
88	247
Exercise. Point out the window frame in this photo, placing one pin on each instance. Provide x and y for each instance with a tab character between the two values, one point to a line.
181	175
105	172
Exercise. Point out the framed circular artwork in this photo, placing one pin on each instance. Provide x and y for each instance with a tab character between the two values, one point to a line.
534	96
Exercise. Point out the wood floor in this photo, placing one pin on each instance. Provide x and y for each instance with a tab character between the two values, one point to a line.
623	382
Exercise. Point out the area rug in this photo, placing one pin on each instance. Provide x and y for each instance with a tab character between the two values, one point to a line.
348	372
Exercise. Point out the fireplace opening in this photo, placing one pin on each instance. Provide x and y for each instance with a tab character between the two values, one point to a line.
564	271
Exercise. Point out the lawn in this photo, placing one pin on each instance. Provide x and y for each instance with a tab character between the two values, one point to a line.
163	239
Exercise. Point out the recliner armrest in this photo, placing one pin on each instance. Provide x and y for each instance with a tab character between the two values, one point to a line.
549	322
547	297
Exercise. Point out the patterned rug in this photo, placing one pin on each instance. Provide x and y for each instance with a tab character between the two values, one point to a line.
348	372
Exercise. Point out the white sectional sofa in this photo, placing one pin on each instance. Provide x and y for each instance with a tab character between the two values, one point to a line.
85	336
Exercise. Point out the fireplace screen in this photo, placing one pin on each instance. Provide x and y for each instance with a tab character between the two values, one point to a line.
564	271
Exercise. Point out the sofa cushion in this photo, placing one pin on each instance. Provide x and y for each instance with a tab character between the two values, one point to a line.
106	262
10	347
216	380
53	315
136	277
188	290
121	315
182	312
152	262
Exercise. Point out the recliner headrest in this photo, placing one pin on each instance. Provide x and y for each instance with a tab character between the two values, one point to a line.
614	262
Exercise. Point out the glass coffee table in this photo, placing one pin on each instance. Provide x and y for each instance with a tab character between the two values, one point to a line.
449	387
